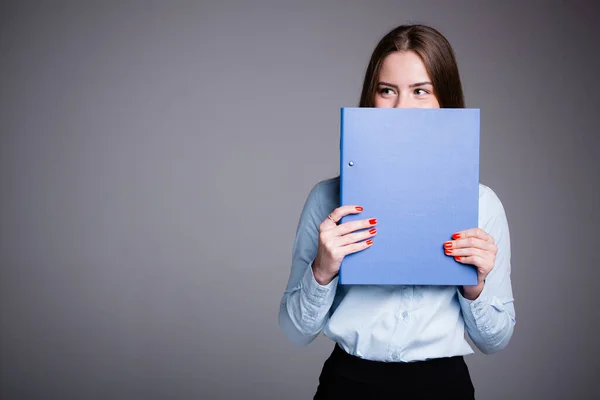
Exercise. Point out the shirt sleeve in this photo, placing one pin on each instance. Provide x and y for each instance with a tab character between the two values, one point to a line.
490	319
304	308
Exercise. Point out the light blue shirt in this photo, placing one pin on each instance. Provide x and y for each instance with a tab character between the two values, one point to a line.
396	323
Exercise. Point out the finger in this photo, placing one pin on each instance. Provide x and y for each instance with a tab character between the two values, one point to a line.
477	261
336	215
473	232
472	260
355	237
356	247
468	252
351	226
470	242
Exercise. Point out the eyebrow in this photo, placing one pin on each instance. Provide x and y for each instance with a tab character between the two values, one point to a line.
414	85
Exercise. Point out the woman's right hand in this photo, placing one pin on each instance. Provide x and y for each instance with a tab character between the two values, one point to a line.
337	241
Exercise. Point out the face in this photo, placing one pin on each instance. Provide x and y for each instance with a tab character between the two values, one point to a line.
404	83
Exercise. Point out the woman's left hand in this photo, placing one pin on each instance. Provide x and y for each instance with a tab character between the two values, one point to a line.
475	247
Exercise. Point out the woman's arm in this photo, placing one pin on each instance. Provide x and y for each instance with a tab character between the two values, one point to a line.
490	317
305	305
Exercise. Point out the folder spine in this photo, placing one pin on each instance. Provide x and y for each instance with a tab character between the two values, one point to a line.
342	202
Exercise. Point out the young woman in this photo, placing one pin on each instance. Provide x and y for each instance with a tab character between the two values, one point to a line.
399	341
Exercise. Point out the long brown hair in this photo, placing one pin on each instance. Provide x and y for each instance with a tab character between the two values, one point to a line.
436	53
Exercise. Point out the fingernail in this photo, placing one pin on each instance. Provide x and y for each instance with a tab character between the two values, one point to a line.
456	236
372	231
359	208
373	221
448	251
448	245
369	242
457	258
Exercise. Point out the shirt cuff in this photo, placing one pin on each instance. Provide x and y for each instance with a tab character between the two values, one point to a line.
474	311
316	293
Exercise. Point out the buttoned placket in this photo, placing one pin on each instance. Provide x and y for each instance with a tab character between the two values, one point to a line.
406	295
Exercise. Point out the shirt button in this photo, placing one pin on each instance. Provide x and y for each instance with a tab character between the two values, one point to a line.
404	315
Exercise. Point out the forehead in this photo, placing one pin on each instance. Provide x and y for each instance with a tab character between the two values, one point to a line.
403	68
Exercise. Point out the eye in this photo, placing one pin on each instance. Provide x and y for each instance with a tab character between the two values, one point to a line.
386	91
421	92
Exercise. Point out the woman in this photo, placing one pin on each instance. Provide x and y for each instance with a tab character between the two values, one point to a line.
399	341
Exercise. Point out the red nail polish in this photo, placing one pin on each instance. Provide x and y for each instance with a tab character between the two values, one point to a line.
369	242
373	221
457	258
456	236
373	231
359	208
448	245
448	251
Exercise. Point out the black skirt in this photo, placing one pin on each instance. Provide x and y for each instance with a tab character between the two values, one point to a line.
345	376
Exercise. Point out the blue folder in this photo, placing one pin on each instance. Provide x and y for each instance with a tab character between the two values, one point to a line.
417	172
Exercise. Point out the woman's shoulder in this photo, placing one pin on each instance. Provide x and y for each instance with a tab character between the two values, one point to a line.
326	193
328	184
487	195
490	205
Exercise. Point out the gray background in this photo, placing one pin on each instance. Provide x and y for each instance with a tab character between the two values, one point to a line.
155	156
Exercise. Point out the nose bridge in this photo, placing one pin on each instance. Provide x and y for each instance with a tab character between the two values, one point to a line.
403	100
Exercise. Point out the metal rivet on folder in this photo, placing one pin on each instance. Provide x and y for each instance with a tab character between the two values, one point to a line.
350	163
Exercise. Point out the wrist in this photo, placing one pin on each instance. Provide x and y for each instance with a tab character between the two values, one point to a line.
472	292
321	278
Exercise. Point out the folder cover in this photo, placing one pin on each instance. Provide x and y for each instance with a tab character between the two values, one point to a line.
417	172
